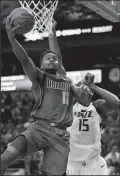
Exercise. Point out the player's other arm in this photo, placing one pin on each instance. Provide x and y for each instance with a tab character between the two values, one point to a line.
29	67
54	47
108	100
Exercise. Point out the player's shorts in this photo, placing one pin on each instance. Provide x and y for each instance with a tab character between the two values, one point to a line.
55	143
95	166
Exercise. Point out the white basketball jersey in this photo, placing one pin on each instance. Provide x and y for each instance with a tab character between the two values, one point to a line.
85	133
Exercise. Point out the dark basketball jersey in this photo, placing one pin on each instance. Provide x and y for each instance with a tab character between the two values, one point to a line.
57	101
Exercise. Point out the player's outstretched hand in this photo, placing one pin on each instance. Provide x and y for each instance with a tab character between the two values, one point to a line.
9	29
89	78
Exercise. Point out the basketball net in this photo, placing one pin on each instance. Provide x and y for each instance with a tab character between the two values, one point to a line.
43	11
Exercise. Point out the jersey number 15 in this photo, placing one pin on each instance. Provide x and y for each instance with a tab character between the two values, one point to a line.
83	125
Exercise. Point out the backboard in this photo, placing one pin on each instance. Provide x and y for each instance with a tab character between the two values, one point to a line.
109	9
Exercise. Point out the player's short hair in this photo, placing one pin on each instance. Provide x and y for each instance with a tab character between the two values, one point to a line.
44	53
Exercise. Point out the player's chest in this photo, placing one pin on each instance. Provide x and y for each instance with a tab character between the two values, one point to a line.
56	85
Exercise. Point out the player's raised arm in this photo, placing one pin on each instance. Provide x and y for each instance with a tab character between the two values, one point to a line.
54	47
29	67
108	100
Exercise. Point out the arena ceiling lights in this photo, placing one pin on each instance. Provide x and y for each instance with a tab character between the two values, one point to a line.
68	32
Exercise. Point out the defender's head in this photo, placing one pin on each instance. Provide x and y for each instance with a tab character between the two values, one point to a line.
49	61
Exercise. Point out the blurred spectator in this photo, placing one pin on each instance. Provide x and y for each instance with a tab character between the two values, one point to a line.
113	161
114	155
19	112
112	171
5	114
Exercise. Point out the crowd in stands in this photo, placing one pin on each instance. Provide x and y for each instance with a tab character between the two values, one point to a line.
16	117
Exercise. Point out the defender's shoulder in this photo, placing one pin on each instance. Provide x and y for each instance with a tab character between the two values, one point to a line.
98	103
101	106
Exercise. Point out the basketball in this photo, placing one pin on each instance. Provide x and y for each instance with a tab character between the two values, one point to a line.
24	18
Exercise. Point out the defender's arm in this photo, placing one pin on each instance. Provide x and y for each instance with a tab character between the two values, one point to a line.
108	100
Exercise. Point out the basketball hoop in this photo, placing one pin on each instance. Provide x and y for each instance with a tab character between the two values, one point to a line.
43	11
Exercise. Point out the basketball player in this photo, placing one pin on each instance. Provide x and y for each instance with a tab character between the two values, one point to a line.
85	143
53	110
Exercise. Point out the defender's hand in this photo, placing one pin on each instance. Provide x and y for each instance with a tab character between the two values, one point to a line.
85	86
86	89
83	81
89	78
10	31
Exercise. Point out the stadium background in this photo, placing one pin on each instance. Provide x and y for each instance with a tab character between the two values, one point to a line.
95	47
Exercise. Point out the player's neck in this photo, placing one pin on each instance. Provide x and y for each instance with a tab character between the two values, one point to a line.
53	72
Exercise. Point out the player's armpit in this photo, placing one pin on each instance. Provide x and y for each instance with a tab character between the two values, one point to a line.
61	69
74	101
31	70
